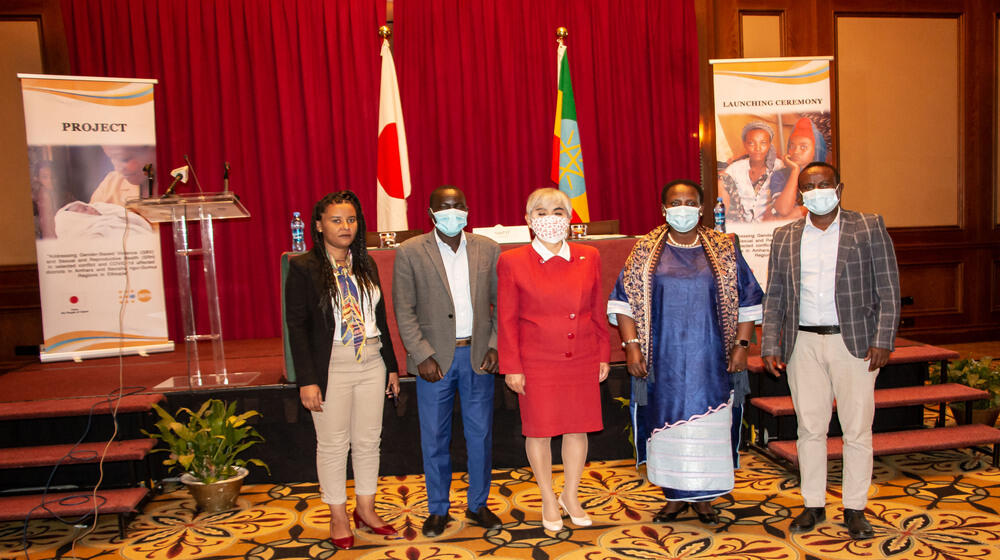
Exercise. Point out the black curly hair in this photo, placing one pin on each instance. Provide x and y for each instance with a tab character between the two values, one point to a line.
361	264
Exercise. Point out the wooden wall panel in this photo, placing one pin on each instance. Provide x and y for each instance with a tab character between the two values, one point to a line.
20	309
995	286
883	119
935	288
760	34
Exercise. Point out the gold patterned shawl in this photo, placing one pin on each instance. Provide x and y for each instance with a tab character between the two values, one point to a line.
638	283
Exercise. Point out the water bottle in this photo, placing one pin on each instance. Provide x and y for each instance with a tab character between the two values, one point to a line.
720	215
298	234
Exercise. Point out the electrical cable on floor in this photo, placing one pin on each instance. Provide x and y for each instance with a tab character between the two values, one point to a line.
117	394
123	305
113	399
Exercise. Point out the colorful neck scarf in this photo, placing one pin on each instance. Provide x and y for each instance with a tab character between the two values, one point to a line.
640	266
352	320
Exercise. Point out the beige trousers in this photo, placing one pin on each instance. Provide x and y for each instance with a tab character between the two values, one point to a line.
351	421
820	370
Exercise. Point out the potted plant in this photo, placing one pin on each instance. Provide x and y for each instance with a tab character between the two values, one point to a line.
206	450
984	374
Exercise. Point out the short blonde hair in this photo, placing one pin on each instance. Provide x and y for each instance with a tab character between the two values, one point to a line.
548	195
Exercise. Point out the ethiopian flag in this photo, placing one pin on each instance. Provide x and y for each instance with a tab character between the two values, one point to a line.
567	158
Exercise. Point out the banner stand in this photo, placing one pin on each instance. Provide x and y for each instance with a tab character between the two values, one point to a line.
205	209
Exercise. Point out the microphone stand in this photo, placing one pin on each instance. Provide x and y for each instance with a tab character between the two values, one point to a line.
149	180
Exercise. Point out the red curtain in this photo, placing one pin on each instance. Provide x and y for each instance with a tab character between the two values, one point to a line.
478	86
285	90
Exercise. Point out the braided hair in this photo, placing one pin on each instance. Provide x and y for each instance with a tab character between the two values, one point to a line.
361	265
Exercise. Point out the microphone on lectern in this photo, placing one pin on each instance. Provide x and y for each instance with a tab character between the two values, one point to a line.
179	174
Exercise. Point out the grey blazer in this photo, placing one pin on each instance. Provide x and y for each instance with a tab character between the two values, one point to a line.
425	312
867	286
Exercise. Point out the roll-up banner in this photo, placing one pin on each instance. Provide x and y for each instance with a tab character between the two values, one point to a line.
772	117
91	145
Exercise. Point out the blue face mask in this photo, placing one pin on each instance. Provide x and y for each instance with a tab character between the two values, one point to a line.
820	201
683	218
451	221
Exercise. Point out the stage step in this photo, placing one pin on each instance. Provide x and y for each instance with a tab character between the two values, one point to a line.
122	502
887	398
57	408
88	452
894	443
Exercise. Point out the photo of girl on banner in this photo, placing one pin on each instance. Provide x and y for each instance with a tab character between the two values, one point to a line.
757	180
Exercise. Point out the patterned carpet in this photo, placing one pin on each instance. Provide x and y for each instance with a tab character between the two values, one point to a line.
927	506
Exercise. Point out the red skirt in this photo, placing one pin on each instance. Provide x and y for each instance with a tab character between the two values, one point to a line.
561	398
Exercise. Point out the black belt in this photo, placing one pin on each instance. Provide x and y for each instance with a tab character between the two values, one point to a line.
825	329
460	342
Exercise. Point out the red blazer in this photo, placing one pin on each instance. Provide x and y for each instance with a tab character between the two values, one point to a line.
552	312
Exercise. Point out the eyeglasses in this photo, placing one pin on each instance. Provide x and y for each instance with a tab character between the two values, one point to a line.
806	187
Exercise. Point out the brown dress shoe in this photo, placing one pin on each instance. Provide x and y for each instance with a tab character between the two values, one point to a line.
808	519
857	526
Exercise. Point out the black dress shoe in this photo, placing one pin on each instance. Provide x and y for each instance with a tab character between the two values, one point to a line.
667	516
435	524
484	518
808	519
857	526
707	517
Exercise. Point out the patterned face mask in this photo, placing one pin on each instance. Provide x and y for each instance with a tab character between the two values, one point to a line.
551	228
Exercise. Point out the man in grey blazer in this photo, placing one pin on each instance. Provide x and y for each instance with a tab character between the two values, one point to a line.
832	310
444	291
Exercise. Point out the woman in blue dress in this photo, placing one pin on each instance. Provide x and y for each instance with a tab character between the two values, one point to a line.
685	305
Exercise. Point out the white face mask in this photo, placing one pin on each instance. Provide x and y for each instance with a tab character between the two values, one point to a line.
820	201
551	228
682	218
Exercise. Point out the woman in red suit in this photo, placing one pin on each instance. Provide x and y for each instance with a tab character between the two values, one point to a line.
553	346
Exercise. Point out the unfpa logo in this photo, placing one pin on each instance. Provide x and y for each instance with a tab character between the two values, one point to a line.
133	296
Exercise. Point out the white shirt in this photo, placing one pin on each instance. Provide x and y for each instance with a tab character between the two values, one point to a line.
456	266
544	252
818	256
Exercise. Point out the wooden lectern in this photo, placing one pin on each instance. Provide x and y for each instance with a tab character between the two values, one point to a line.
204	208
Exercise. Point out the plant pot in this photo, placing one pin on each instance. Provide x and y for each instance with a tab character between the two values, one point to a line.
986	416
217	496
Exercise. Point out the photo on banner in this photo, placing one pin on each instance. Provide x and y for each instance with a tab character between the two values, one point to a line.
772	118
91	144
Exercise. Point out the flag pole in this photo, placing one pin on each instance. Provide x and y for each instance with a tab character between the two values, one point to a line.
385	32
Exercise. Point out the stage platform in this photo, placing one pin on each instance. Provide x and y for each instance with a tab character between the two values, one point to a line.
98	377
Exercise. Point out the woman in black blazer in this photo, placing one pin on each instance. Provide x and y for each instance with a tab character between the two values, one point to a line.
339	338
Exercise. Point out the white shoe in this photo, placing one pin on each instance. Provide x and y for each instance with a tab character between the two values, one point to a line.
554	526
584	521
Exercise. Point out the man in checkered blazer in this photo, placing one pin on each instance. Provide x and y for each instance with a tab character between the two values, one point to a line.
831	310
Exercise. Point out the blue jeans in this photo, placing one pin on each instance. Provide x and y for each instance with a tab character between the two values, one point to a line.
435	402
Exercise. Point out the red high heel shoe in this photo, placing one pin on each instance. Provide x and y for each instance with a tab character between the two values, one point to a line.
345	543
383	530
